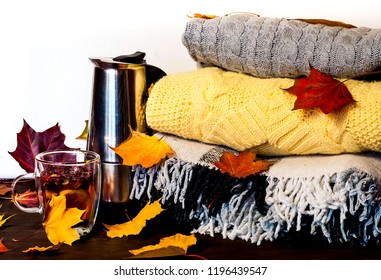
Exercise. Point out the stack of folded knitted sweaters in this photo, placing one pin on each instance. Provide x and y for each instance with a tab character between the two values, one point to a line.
325	178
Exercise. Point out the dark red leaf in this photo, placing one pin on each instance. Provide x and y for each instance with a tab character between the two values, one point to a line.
30	143
320	90
53	138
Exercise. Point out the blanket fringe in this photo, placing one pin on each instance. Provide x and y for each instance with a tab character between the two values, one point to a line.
352	193
343	207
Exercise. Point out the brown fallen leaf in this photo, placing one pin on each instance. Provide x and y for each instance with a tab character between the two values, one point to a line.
135	226
327	22
175	245
143	149
241	165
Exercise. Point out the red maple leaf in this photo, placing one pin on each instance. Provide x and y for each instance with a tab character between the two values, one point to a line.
320	90
241	165
30	143
27	198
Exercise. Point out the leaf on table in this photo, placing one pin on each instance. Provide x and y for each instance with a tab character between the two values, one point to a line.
320	90
37	249
60	220
30	143
3	249
83	135
27	198
241	165
143	149
175	245
2	220
4	189
134	227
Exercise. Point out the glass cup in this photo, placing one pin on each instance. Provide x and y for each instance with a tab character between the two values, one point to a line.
73	173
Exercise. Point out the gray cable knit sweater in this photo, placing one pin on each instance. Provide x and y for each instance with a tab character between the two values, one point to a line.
277	47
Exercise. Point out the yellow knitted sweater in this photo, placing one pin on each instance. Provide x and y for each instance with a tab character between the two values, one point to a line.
244	112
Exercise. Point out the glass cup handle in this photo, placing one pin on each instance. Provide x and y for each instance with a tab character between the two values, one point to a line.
14	193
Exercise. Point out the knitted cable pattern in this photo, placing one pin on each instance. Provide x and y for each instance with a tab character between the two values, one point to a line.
244	112
277	47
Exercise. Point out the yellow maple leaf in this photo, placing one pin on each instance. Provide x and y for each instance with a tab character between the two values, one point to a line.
174	245
142	149
2	221
42	249
135	226
59	221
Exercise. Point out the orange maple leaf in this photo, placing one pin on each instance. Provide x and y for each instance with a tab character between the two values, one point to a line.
175	245
3	249
135	226
60	220
4	189
320	90
143	149
241	165
202	16
42	249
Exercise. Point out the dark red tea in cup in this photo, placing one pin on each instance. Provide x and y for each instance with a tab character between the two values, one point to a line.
74	174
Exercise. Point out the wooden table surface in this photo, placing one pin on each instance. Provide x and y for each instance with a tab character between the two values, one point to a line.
26	228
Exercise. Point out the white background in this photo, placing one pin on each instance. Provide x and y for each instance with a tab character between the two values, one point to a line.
45	73
276	269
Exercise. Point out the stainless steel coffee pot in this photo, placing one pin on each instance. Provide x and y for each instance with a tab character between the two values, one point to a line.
118	101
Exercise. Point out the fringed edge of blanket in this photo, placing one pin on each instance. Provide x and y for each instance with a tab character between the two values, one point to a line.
343	208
